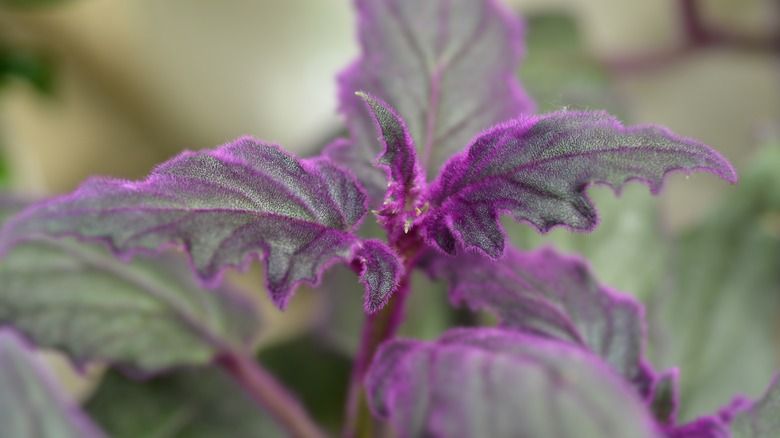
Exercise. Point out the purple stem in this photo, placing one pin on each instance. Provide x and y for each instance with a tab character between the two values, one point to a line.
267	391
378	328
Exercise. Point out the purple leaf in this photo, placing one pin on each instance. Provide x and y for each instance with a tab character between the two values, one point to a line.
381	272
665	402
31	404
538	169
222	206
550	295
495	383
399	158
447	66
705	427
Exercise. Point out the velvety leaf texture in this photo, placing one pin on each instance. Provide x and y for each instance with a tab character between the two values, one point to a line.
222	206
447	66
762	419
146	315
404	177
537	168
31	404
547	294
194	403
500	383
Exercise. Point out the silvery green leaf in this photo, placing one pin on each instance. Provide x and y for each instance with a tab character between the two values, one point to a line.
31	403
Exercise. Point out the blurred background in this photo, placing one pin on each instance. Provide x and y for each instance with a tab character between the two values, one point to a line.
112	87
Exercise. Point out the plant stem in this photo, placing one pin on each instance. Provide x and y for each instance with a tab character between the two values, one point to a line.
267	391
377	328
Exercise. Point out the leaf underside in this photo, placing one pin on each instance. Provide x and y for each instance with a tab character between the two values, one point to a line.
538	169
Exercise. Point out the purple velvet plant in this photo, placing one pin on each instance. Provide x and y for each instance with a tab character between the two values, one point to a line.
458	145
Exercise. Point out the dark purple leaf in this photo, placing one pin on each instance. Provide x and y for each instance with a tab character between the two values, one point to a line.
538	169
447	66
665	401
222	206
500	383
399	158
31	404
381	272
547	294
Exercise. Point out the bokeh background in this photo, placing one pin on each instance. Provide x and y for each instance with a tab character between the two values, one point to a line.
113	87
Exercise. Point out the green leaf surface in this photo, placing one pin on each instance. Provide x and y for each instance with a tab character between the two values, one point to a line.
31	405
762	419
195	403
148	315
558	71
316	374
35	68
719	320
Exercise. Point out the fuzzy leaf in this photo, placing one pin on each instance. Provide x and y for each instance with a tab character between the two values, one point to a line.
448	67
495	383
538	168
550	295
147	315
762	419
399	158
31	404
191	403
222	206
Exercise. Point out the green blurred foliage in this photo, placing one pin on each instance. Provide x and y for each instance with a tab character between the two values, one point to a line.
31	3
192	403
720	317
317	374
34	68
558	72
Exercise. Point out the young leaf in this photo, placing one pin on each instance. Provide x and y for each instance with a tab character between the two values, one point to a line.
195	403
222	206
546	294
447	66
493	383
399	158
31	405
538	168
762	419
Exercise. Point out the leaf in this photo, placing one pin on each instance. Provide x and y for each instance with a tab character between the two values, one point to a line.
631	226
546	294
35	68
665	401
495	383
194	403
717	319
222	206
448	67
762	419
147	315
399	158
538	168
316	374
31	405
